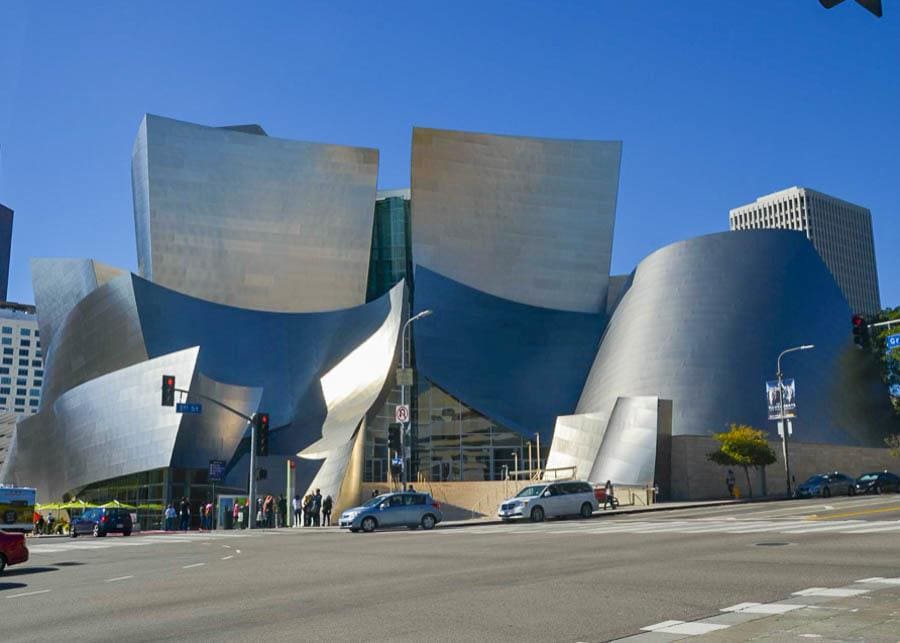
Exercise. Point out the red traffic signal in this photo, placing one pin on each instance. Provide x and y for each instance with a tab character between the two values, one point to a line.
168	390
858	320
860	331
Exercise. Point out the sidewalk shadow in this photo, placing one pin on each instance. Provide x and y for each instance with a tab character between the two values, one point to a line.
4	586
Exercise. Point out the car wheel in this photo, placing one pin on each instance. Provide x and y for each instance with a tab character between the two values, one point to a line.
851	490
428	522
826	492
354	529
368	524
412	527
73	533
587	510
876	490
126	533
96	531
537	514
2	563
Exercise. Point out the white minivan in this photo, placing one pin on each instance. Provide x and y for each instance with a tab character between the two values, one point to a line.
549	499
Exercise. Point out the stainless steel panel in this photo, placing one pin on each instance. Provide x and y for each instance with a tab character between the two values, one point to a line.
628	453
529	220
253	221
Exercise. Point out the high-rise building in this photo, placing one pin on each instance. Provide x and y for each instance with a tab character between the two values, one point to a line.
391	255
6	225
21	363
840	231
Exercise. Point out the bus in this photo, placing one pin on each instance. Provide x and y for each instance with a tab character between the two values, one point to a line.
17	508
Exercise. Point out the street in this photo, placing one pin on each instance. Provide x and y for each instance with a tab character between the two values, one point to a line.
576	580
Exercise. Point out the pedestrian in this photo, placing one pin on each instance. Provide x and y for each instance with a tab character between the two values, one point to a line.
729	481
236	518
327	504
307	509
269	511
245	514
298	510
170	517
374	493
608	496
282	511
260	516
209	516
410	487
316	507
184	511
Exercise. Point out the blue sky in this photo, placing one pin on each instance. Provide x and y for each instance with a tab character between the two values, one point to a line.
716	102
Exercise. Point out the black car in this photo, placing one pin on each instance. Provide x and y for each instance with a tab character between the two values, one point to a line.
102	521
877	482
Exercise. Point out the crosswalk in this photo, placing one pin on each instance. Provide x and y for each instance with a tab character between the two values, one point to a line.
687	526
87	544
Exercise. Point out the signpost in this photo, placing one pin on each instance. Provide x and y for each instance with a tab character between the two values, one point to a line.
194	408
402	413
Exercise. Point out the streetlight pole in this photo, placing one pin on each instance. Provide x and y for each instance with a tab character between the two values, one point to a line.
784	428
404	476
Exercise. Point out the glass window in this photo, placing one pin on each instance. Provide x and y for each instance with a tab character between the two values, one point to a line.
38	382
6	380
7	330
20	401
36	362
23	372
3	401
25	331
7	341
19	409
25	342
7	351
8	361
39	373
34	392
4	370
21	391
23	362
24	352
21	381
4	390
33	402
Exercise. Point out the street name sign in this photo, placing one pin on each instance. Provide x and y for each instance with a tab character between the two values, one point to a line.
189	407
216	470
892	342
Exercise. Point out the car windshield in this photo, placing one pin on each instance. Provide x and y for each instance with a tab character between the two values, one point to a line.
531	492
817	480
868	476
377	500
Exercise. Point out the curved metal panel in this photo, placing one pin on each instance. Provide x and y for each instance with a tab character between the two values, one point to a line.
529	220
628	453
519	365
576	440
703	323
59	284
111	426
99	335
253	221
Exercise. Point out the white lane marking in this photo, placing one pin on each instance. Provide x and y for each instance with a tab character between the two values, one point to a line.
227	557
194	565
839	592
237	551
690	629
227	546
653	628
118	578
880	579
816	527
35	593
762	608
874	528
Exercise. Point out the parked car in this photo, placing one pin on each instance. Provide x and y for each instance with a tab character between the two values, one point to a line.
877	482
826	485
101	521
405	509
13	549
549	500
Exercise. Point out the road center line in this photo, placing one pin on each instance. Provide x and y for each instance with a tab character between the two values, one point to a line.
40	591
118	578
194	565
856	513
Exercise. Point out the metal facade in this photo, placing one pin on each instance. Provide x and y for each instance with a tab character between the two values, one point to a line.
252	221
528	220
519	365
703	323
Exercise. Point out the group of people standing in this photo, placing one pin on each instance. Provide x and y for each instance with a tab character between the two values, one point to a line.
179	519
312	510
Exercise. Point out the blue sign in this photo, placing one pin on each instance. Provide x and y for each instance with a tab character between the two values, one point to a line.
892	341
216	470
191	407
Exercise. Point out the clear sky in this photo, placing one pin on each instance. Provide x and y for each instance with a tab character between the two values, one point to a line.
716	102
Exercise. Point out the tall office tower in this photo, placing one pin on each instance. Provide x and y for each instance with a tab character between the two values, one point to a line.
841	232
6	224
22	368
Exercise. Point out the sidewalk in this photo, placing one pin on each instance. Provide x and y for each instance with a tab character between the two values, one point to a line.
622	510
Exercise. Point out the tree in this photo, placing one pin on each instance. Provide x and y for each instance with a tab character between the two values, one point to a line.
893	443
742	446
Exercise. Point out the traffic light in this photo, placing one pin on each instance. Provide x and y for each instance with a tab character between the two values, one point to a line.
262	433
168	390
394	437
860	331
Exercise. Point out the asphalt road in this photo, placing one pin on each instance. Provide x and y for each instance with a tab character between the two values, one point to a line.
566	580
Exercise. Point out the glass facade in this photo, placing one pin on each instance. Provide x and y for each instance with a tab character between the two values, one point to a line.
391	258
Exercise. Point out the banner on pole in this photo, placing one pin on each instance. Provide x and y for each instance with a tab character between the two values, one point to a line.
773	398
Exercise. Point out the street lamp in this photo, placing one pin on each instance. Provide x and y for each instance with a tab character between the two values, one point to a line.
784	431
405	425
